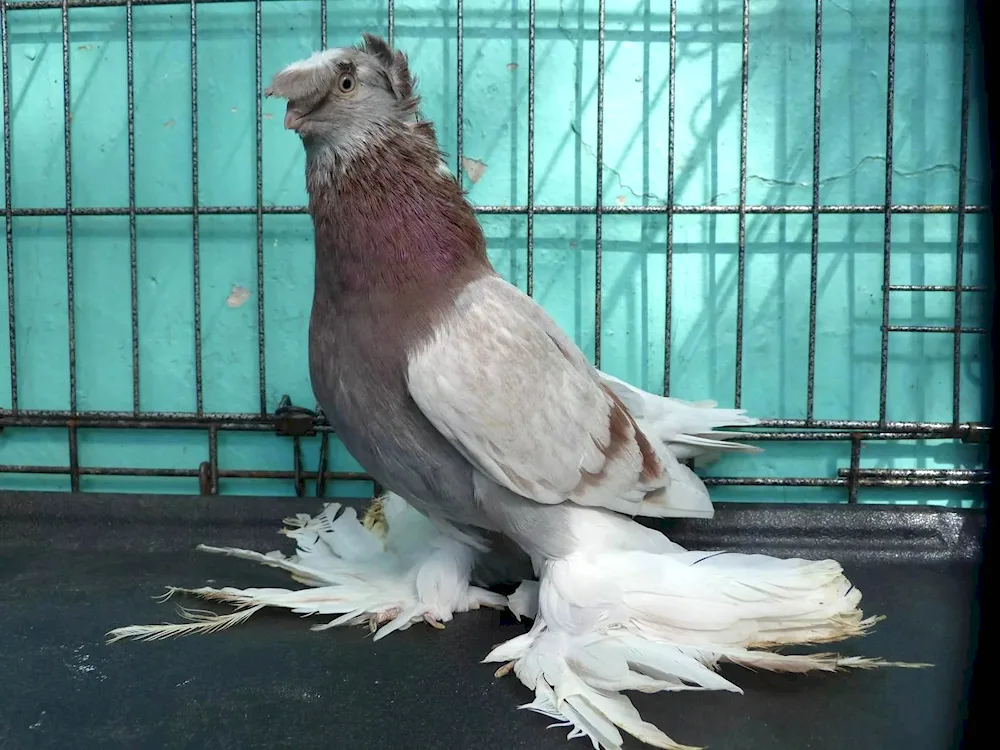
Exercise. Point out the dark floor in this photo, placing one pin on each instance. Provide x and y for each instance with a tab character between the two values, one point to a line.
74	567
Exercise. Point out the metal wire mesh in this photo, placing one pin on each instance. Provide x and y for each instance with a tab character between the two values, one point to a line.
298	423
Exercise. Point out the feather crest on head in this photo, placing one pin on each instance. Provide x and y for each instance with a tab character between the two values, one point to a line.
396	70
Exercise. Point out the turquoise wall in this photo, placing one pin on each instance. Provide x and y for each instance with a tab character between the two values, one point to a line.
926	146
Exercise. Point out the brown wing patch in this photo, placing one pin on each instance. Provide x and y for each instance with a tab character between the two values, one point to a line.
651	466
622	430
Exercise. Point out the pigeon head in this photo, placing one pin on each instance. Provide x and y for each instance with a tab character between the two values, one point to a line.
341	100
386	215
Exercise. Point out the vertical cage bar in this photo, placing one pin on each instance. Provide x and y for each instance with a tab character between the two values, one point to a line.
213	460
460	93
671	119
742	240
599	217
322	24
814	256
855	472
258	93
74	448
390	13
68	169
322	462
195	244
887	230
963	169
530	218
8	208
297	479
133	254
204	478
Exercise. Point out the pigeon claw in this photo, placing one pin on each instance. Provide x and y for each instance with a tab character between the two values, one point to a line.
386	616
433	622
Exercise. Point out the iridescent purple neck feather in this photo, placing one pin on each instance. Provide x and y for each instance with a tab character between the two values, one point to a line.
387	219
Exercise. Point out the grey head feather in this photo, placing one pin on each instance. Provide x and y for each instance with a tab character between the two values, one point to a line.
341	99
396	68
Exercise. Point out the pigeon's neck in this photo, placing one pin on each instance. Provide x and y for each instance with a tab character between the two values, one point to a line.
390	221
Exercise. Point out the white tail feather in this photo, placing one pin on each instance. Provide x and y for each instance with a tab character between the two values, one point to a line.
680	430
628	620
688	428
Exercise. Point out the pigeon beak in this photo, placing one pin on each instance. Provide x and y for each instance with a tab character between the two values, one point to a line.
293	118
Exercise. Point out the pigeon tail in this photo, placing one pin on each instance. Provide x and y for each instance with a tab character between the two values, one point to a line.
690	429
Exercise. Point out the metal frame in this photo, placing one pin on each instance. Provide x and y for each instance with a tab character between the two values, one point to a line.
297	422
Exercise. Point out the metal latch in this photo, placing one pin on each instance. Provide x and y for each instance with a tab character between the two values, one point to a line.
294	421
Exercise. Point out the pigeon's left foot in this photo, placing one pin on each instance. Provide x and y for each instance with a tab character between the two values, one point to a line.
387	570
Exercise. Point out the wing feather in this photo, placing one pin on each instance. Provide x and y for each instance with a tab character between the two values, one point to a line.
508	388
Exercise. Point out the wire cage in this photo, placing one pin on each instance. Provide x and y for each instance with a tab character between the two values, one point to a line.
780	206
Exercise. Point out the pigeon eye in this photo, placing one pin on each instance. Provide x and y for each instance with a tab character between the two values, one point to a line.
346	83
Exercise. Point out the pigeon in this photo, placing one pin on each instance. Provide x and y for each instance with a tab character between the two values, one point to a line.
449	385
498	440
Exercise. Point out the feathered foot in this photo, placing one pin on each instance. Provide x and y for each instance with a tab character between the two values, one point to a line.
387	571
663	622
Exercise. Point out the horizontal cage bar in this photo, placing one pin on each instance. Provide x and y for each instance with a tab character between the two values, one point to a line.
545	210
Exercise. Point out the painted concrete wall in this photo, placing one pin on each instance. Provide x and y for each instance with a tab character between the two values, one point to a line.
926	142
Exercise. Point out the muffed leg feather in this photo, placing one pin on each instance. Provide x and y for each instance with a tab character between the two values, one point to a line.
613	620
392	568
652	623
